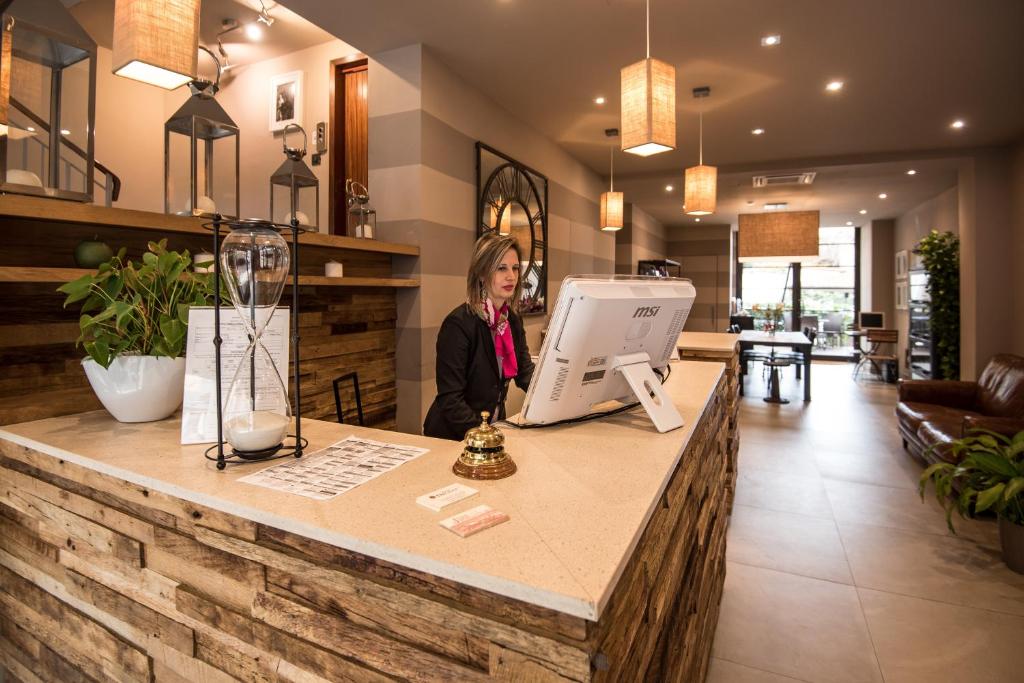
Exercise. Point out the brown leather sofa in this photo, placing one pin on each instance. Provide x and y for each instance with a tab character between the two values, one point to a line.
932	413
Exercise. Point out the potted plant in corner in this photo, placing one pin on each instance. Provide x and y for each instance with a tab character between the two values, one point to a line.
133	324
989	476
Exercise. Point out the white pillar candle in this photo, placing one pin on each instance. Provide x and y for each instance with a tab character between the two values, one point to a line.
256	431
333	269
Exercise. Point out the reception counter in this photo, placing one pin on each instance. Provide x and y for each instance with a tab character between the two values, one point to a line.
126	556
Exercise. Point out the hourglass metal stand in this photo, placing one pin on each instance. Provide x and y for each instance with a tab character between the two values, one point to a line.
257	259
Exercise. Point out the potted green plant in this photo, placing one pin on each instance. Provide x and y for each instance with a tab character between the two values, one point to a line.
133	326
989	475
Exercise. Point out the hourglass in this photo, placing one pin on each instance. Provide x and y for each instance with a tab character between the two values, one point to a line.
255	414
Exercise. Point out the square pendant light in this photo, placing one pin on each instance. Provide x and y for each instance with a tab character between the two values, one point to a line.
648	107
701	187
156	41
779	236
611	211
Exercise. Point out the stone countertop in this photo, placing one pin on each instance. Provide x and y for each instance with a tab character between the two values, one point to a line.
578	504
708	341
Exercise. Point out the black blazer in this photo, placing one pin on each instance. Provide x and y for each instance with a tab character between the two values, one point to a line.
468	378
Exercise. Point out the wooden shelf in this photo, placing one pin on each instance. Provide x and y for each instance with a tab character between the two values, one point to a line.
38	208
58	275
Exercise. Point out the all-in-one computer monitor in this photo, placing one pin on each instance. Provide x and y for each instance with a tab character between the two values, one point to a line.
607	335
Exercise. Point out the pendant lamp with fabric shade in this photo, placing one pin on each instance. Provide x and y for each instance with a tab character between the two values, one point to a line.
648	104
778	236
611	201
156	41
700	182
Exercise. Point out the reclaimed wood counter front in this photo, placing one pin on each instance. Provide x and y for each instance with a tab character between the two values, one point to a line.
125	556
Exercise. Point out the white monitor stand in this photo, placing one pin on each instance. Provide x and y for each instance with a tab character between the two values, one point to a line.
636	369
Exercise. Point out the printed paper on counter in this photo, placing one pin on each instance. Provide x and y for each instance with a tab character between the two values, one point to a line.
331	471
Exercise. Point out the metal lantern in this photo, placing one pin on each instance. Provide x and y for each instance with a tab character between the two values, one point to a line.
362	218
201	154
291	184
47	102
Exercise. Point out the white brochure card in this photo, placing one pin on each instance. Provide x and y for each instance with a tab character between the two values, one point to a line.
199	410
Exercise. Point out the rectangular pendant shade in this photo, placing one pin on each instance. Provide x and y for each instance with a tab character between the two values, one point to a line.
648	107
156	41
611	211
700	190
783	236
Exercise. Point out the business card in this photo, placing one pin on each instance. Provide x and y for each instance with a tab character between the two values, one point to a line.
471	521
445	496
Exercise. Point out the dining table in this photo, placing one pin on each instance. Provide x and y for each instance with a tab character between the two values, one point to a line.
797	341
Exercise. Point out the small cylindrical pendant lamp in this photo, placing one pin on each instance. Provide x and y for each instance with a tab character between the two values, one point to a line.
156	41
611	201
611	211
648	104
700	183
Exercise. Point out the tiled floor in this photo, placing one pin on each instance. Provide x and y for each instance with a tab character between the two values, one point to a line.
837	571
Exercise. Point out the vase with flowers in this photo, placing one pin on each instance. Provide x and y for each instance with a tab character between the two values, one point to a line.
771	316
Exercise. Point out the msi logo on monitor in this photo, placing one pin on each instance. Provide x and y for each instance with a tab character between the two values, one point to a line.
646	311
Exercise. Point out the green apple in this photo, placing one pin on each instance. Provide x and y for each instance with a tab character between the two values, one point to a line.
91	253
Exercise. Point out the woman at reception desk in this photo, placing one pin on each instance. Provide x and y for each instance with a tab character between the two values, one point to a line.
127	556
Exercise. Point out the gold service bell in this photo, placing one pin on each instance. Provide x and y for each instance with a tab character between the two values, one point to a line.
484	456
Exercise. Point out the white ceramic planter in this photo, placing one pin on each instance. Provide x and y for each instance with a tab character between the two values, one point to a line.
138	388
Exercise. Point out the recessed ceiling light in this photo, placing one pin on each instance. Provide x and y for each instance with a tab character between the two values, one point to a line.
65	131
862	212
696	220
911	172
849	222
253	31
958	124
771	41
30	129
883	196
834	86
598	100
669	188
757	131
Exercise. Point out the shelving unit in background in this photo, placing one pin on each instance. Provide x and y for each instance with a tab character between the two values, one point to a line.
346	323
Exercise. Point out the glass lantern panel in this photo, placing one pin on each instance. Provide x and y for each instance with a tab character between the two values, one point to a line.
28	143
74	127
217	168
179	176
305	200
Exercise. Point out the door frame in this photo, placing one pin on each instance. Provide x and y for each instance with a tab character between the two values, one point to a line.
336	146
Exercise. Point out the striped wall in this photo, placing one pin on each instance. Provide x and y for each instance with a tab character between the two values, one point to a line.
642	238
703	252
424	123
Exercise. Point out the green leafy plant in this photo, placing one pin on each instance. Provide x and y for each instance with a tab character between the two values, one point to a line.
940	254
138	308
990	476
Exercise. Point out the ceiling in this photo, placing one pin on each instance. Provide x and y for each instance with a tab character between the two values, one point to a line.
910	67
289	32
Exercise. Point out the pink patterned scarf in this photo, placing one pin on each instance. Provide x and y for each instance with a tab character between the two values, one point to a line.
497	321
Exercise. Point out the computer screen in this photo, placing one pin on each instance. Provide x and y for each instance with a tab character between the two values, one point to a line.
606	335
871	320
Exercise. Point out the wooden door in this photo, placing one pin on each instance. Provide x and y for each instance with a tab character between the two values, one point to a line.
348	146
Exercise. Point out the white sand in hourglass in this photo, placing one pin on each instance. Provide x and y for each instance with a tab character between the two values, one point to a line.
256	431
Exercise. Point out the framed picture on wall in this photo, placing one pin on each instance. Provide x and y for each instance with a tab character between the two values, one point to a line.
902	295
902	264
285	100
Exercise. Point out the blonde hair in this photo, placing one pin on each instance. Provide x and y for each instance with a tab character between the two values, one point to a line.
488	253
